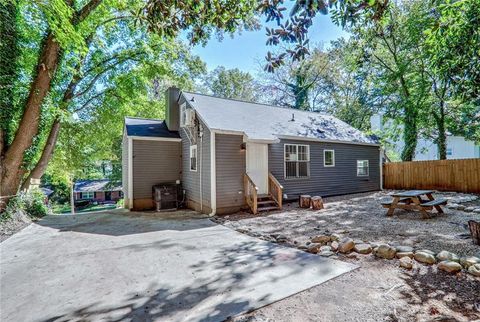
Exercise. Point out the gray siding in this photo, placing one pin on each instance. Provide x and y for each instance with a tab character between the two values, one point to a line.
154	162
191	179
230	167
327	181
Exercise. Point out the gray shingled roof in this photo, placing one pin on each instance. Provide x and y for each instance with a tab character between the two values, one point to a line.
96	185
265	122
148	127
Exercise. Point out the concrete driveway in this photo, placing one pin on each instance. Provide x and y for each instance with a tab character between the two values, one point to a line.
117	266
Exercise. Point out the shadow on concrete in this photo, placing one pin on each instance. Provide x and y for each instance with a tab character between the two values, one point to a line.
238	279
120	222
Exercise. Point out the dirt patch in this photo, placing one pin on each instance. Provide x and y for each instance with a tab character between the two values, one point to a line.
380	290
13	224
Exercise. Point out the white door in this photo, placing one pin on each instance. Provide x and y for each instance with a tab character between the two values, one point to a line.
257	165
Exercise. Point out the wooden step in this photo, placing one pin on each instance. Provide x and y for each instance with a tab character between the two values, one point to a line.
259	209
266	202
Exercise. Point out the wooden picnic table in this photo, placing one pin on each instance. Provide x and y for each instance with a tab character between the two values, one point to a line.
412	200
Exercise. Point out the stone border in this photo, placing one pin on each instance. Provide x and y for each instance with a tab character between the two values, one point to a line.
328	245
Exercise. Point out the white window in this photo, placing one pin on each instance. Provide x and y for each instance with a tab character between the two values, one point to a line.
449	151
87	195
297	161
193	158
362	168
183	114
328	158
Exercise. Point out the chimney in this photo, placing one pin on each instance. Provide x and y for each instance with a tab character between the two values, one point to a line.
172	109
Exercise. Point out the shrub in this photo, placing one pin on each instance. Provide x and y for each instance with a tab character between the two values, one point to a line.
120	203
32	202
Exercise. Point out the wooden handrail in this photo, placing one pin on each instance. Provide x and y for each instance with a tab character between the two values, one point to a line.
275	189
251	193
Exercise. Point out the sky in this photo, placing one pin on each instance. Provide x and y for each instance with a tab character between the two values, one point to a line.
246	51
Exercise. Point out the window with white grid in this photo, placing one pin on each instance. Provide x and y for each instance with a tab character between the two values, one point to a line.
297	161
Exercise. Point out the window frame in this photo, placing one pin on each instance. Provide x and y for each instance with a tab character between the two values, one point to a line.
333	158
183	114
297	161
368	168
192	148
90	193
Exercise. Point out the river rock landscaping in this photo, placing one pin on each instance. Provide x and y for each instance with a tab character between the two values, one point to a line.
433	262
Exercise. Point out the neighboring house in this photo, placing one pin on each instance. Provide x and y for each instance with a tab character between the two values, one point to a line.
224	151
457	146
97	190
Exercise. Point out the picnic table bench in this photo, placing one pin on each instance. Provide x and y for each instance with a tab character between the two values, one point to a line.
412	200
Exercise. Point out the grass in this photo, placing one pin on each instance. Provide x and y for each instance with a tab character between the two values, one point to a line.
61	209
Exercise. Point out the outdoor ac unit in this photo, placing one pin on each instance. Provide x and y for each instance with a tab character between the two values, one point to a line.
189	117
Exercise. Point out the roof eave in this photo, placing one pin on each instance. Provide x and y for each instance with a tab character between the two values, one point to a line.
303	138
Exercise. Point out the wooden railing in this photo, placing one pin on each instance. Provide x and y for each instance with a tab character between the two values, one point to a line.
275	190
251	192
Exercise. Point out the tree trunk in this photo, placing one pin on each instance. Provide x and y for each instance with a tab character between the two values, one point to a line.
317	203
47	153
28	127
409	132
442	134
304	201
48	61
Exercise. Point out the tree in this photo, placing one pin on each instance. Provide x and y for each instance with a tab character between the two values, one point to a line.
71	37
232	83
294	85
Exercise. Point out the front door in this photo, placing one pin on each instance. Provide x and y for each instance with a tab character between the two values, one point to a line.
108	195
257	165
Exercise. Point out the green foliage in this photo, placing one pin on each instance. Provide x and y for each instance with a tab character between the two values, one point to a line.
232	83
200	19
453	40
8	66
32	202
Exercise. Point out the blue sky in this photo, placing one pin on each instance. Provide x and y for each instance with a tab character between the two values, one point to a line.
247	50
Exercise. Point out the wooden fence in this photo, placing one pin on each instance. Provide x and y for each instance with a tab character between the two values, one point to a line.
445	175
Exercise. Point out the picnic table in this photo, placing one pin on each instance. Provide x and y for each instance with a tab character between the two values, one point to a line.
412	200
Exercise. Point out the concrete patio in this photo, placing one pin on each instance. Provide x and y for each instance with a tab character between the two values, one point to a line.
120	266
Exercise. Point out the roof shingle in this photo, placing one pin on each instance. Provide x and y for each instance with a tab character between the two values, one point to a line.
149	128
265	122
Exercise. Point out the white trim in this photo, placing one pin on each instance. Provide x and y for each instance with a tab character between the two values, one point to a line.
368	168
297	177
130	173
153	138
302	138
213	174
328	165
381	152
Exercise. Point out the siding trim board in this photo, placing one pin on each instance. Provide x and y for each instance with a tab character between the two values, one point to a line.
130	173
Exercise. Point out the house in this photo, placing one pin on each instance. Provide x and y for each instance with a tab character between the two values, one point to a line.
101	190
230	154
457	147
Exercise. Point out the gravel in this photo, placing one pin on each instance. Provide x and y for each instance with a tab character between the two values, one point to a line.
380	290
361	217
